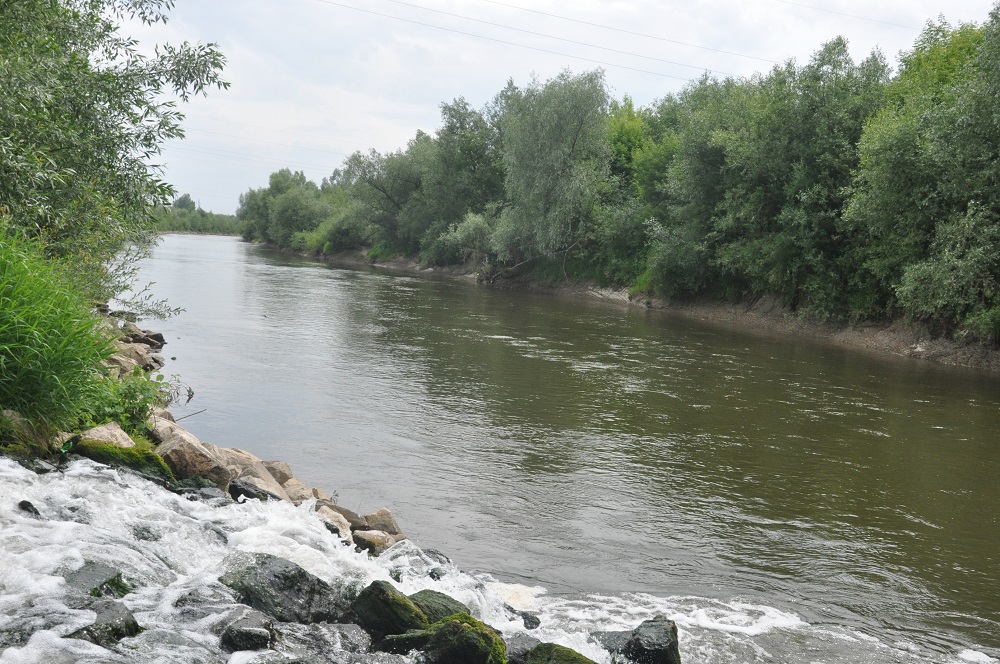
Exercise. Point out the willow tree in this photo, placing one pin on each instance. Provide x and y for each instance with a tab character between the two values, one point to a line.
83	116
556	156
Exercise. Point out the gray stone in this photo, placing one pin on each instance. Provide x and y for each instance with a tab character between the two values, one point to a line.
279	470
652	642
297	491
251	631
381	610
187	456
114	622
281	589
436	605
518	647
98	580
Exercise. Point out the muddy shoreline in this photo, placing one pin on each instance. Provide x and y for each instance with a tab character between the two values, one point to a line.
898	339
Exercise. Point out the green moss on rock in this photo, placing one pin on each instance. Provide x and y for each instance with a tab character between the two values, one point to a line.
552	653
142	460
382	610
437	606
457	639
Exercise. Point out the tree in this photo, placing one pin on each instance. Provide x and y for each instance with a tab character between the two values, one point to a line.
556	157
83	114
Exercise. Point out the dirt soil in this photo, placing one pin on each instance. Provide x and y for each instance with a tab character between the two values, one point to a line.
766	314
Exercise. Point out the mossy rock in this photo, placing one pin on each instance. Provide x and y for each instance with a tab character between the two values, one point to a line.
437	606
457	639
552	653
382	610
142	460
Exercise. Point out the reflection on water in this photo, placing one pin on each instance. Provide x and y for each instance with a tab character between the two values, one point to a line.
591	448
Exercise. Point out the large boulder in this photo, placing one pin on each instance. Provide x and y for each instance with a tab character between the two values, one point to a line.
110	434
335	521
458	639
375	542
357	522
437	606
519	645
279	470
382	610
652	642
383	520
250	631
553	653
186	455
297	490
281	589
245	466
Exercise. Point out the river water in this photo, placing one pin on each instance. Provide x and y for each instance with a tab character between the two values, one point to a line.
782	500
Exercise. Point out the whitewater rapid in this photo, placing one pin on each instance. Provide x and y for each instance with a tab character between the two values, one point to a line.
168	546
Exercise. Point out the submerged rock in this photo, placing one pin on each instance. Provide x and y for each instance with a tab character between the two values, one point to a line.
98	580
382	610
114	622
281	589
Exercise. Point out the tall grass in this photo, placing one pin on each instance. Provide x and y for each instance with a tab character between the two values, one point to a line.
51	343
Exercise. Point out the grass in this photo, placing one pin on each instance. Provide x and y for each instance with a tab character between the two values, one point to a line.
51	345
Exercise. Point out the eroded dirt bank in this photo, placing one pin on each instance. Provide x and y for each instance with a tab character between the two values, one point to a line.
899	339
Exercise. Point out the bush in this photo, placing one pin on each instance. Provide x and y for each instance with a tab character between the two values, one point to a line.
51	343
127	401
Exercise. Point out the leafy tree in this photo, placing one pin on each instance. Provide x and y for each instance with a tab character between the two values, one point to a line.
556	157
83	113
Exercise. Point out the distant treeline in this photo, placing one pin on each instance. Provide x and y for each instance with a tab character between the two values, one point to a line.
186	216
848	190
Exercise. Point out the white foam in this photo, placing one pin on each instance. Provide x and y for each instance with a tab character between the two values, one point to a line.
976	657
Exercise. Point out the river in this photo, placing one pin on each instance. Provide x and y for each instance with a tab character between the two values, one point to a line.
783	500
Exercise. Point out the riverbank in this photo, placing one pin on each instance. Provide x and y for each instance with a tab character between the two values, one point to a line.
900	338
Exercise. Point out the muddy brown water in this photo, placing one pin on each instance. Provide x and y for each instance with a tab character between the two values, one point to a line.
591	448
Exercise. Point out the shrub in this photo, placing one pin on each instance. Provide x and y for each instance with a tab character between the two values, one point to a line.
51	343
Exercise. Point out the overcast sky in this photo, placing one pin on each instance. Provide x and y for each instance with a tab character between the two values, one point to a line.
315	80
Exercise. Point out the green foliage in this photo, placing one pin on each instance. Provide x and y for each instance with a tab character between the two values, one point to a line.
127	401
185	216
83	112
51	343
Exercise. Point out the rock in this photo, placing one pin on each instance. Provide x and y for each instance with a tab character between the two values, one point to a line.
161	413
653	642
281	589
357	522
247	467
458	639
383	520
114	622
336	521
319	494
518	647
279	470
187	456
110	433
26	506
437	606
383	610
530	620
252	631
297	491
323	642
245	488
98	580
133	335
551	653
374	541
140	355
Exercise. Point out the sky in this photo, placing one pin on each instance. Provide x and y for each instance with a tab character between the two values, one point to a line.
313	81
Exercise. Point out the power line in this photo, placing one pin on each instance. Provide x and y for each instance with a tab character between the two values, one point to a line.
861	18
501	41
542	34
629	32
